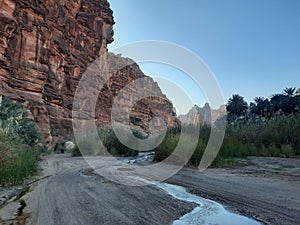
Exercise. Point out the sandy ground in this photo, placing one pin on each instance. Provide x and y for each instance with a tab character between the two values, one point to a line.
267	189
68	192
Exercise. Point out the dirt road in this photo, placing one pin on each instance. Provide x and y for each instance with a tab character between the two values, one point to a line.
70	193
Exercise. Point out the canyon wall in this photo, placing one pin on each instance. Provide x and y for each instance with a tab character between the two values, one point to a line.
46	46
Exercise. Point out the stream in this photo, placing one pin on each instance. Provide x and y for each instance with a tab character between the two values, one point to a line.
207	212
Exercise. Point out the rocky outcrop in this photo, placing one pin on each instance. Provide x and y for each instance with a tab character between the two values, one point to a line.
45	46
123	72
205	115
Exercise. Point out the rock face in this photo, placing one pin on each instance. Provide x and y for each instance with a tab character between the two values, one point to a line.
205	115
123	72
45	46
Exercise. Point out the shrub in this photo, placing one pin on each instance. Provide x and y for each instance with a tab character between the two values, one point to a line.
89	144
18	161
113	145
14	122
18	150
76	151
168	145
225	162
287	151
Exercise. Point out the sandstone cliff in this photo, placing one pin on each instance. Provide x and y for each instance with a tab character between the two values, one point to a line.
45	47
205	115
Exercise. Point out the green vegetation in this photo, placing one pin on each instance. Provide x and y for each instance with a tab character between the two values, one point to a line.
171	140
266	127
89	144
168	145
15	123
76	152
18	138
277	136
18	161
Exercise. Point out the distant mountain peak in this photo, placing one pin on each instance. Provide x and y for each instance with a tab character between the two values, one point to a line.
203	115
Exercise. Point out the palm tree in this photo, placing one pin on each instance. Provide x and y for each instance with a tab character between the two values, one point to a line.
236	107
253	109
290	91
282	104
262	106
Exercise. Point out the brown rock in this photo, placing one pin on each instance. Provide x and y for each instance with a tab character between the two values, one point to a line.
45	47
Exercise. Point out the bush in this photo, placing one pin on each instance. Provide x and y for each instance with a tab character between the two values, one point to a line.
225	162
168	145
287	151
76	151
113	145
18	161
89	144
18	150
14	122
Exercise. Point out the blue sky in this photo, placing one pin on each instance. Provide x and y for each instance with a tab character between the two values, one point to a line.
252	46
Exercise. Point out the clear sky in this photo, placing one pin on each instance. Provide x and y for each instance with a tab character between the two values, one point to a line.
252	46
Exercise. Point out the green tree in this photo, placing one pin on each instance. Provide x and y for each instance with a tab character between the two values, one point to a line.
261	107
281	103
290	91
236	107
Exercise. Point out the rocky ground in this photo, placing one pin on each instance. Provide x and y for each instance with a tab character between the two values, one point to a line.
68	192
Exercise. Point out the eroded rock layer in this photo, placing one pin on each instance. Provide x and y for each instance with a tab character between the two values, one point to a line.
45	47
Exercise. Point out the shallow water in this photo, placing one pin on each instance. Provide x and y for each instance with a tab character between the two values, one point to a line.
207	212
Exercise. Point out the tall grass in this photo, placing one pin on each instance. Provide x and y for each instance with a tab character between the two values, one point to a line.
167	147
278	136
18	161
